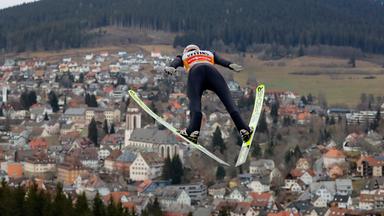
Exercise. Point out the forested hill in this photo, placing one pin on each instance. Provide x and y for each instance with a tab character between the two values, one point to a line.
58	24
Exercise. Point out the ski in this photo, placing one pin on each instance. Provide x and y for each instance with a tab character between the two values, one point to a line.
160	120
252	124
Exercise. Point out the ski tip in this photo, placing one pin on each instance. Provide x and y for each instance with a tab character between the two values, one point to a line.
260	87
131	92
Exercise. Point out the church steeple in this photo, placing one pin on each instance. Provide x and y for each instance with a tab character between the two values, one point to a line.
133	117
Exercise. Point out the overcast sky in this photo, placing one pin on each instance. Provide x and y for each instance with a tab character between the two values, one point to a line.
9	3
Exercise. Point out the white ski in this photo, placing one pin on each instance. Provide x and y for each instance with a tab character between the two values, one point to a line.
252	124
135	97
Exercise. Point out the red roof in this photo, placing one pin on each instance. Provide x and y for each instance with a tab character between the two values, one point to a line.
38	143
116	196
260	199
334	153
283	213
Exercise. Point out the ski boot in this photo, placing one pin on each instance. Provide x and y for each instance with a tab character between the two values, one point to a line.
245	134
191	137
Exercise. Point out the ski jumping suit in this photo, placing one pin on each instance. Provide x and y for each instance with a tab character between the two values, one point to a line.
204	76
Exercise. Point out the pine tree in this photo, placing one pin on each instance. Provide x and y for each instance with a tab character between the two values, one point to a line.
297	152
111	208
32	98
98	208
177	170
225	211
220	173
309	98
81	206
61	204
46	118
105	127
7	123
87	99
24	100
304	100
154	209
112	130
81	78
53	101
93	101
65	104
167	169
92	132
217	140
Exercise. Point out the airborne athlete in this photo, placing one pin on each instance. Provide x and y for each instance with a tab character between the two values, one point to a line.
202	75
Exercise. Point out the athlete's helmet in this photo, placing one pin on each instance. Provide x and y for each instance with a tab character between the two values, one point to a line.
190	47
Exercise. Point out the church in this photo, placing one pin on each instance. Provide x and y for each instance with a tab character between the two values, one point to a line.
150	139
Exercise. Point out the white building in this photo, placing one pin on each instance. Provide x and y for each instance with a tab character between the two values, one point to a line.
196	192
261	167
169	197
39	166
258	186
147	165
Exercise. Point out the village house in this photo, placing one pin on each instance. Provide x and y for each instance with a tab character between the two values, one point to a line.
237	194
109	162
196	191
261	167
68	171
261	200
370	166
172	197
259	185
332	157
342	201
344	186
39	165
76	115
124	162
243	209
371	199
99	114
324	189
14	170
217	191
88	157
38	143
147	165
306	176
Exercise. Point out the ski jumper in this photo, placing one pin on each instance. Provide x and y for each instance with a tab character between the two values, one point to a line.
202	75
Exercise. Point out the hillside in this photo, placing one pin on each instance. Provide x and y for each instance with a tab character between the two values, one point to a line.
58	24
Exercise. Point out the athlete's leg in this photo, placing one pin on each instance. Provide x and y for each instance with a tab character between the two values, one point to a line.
218	84
195	89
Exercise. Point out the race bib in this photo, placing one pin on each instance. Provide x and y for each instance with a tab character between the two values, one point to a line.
197	56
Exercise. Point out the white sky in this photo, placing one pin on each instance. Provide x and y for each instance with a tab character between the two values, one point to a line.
9	3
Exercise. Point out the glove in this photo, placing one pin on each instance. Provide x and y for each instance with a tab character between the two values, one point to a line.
236	67
170	71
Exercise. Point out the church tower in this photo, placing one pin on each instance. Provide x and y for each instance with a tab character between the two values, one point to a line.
132	121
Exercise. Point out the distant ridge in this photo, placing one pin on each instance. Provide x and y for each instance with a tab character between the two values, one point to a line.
60	24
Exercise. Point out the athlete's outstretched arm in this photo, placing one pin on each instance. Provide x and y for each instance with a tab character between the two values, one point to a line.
171	69
221	61
177	62
225	63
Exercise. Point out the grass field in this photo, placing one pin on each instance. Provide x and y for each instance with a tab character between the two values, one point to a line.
341	84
